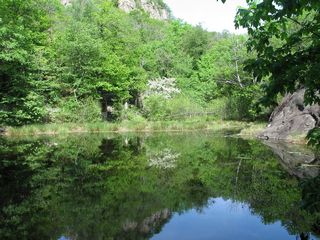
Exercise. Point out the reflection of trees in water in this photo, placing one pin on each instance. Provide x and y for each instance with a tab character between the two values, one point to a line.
301	162
108	189
163	159
311	200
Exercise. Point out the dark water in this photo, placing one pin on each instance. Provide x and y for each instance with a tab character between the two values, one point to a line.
160	186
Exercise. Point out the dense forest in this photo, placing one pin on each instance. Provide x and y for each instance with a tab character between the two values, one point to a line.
70	63
88	61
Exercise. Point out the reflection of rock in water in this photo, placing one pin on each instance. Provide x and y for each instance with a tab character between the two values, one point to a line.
302	163
297	160
149	225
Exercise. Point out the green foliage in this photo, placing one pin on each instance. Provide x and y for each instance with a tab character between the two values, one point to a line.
218	107
314	138
57	57
32	109
80	111
243	104
285	35
182	105
132	114
221	69
196	42
155	107
93	58
220	74
23	30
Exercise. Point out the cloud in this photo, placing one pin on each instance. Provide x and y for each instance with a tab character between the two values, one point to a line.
211	14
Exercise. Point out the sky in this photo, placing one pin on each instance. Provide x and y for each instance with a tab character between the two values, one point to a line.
213	15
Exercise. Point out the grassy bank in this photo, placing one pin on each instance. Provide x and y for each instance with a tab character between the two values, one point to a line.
128	126
253	129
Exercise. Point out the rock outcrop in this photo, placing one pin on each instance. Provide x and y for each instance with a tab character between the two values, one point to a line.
155	10
292	118
127	5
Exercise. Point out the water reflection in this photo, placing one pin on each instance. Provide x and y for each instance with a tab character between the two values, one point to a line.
161	186
225	219
296	159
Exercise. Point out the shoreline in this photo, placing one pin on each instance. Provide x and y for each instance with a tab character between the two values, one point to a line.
246	130
128	127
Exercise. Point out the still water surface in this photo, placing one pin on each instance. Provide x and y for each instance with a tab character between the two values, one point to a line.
156	186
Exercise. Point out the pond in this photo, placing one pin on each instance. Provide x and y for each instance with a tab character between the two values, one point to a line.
157	186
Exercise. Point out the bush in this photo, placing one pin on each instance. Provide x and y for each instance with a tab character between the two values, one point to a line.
80	111
218	108
242	104
181	105
238	108
155	107
314	138
131	114
31	109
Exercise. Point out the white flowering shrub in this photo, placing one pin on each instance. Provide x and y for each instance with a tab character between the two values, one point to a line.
165	87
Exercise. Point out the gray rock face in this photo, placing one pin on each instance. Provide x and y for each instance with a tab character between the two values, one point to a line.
154	10
127	5
148	6
292	118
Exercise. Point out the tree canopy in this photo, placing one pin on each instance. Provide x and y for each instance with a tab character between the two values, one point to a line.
286	36
70	63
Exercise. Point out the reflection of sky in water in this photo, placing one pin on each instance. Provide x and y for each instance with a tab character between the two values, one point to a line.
63	238
223	220
133	187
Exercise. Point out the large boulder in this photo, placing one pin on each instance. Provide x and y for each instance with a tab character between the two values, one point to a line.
292	118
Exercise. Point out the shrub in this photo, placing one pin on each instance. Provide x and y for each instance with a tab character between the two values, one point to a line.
131	114
165	87
181	106
314	138
72	110
155	107
218	108
31	109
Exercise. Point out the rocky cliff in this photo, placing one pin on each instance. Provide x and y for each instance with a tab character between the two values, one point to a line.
156	8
